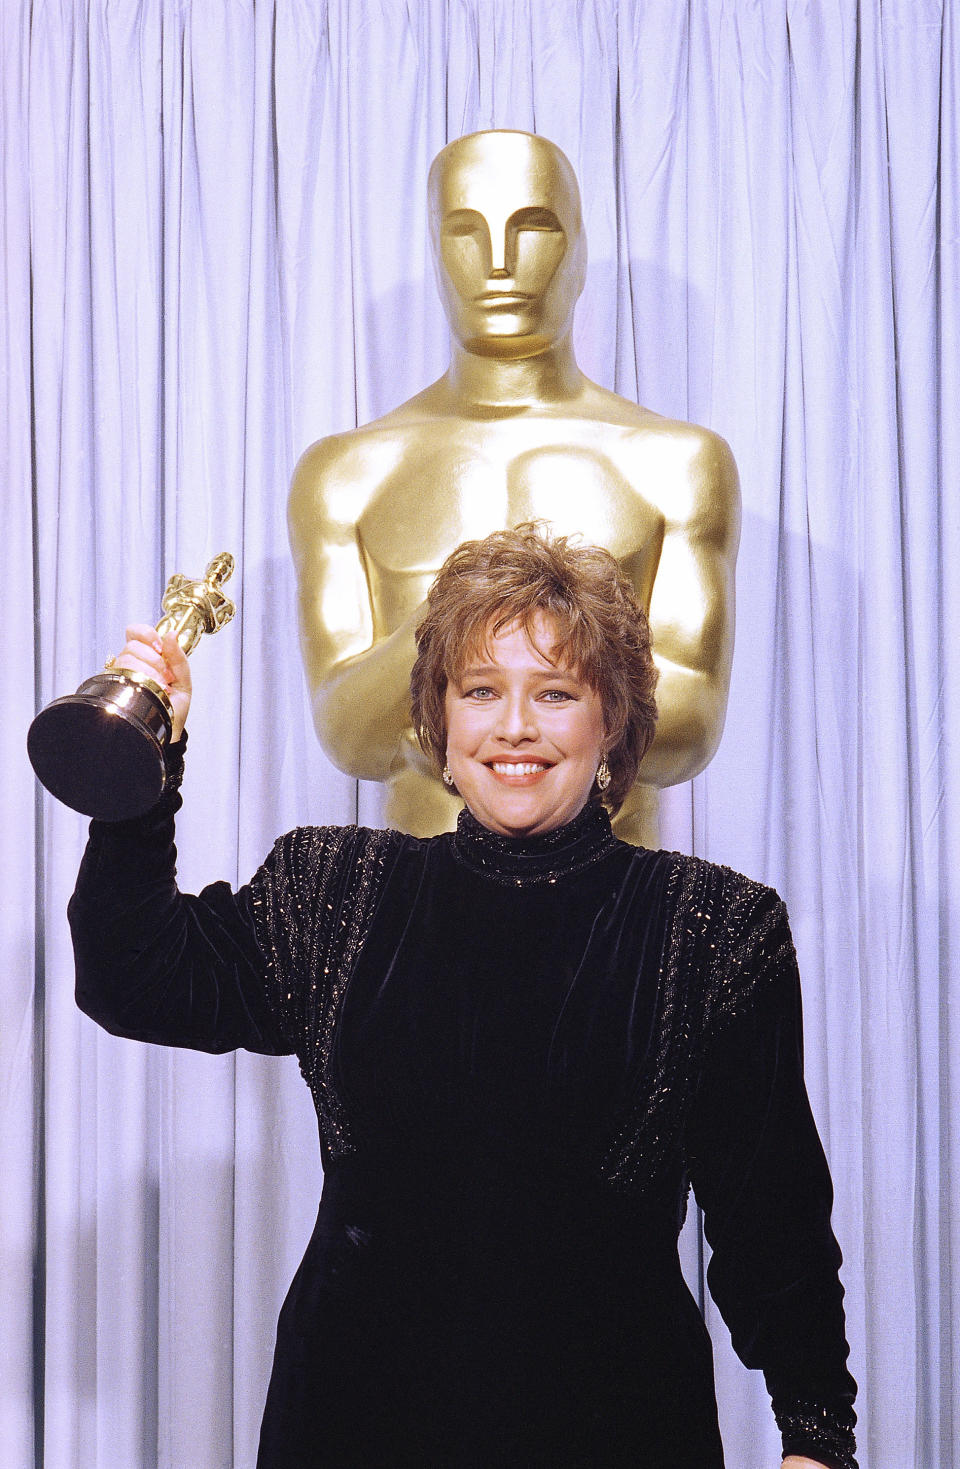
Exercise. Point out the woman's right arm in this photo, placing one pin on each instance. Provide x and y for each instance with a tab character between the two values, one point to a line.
152	963
155	964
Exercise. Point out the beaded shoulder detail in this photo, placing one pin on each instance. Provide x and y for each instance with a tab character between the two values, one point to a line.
313	901
724	935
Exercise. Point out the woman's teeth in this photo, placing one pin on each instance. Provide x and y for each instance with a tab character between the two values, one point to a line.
515	767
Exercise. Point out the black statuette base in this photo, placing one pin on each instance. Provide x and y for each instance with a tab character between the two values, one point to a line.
100	750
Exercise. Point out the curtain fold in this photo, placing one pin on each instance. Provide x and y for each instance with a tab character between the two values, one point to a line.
215	251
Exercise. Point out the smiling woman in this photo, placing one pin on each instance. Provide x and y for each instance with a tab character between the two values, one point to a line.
524	735
524	1040
534	649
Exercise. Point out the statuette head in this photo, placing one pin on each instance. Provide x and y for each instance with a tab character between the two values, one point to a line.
508	242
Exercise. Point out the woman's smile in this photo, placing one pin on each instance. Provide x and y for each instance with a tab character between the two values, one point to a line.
517	771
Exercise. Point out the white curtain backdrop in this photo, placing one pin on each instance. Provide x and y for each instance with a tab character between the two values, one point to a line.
214	252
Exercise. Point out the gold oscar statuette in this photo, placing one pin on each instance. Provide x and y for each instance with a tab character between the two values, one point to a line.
100	750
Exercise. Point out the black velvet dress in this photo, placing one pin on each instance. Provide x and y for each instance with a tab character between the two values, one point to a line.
521	1054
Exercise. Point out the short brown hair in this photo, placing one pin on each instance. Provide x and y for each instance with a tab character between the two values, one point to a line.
602	634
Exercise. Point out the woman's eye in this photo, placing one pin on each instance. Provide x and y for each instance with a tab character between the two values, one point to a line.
481	693
556	696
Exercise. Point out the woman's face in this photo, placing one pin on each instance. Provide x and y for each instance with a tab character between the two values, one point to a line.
524	735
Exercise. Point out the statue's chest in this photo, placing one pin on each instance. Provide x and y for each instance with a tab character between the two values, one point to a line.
451	493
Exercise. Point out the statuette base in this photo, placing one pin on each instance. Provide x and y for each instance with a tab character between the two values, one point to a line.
100	750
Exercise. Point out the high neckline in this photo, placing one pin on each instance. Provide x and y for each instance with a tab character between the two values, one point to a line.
535	860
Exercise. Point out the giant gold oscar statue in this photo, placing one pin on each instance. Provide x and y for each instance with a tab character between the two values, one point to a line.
512	432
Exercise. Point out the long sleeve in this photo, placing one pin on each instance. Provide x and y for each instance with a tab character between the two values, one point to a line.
760	1175
155	964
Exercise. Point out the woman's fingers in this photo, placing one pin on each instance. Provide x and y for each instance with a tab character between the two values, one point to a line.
143	653
177	662
163	660
180	685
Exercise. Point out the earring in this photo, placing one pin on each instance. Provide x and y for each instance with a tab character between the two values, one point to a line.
447	778
603	775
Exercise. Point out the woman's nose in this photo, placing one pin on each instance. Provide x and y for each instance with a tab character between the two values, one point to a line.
517	720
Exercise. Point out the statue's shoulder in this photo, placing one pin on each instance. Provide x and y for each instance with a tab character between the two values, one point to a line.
690	443
648	432
688	470
371	448
342	452
338	474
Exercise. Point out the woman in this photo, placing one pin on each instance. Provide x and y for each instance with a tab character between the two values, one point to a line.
524	1041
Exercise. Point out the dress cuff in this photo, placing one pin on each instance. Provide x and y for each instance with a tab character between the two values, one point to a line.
824	1434
173	764
167	804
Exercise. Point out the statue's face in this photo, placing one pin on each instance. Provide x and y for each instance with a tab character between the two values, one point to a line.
505	219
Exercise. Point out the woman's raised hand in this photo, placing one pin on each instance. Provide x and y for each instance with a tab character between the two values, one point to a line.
163	660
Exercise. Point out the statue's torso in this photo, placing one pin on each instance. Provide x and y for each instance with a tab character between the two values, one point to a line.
431	486
406	490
